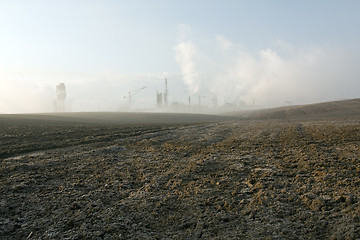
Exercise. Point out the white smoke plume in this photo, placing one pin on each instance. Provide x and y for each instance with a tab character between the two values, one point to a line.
185	55
270	77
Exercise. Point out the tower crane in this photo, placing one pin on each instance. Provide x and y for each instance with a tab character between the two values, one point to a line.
133	93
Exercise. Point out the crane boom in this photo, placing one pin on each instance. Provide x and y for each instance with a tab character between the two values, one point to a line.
133	93
137	91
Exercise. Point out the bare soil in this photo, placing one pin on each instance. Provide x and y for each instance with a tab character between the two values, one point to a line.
211	178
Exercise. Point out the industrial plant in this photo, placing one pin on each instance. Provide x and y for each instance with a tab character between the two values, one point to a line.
135	100
162	98
59	104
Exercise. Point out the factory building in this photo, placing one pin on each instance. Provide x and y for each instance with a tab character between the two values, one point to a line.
60	98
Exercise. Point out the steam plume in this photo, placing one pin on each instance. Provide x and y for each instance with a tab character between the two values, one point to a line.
185	54
270	76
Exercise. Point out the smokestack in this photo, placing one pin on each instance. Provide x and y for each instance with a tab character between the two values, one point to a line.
159	99
166	94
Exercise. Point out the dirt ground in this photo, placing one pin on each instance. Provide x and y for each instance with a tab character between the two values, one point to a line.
233	179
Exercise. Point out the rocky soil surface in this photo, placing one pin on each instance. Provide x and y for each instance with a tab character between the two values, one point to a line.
265	179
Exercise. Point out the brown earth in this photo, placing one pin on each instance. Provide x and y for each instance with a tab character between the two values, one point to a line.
72	177
337	110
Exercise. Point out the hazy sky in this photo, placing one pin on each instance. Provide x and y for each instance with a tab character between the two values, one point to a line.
267	51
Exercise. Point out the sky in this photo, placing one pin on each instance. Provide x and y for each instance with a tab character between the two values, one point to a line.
258	53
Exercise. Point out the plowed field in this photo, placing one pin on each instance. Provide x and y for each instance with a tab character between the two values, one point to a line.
205	179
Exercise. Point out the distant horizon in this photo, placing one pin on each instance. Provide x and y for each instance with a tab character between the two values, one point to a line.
221	110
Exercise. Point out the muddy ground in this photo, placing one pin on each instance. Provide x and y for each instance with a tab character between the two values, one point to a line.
233	179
